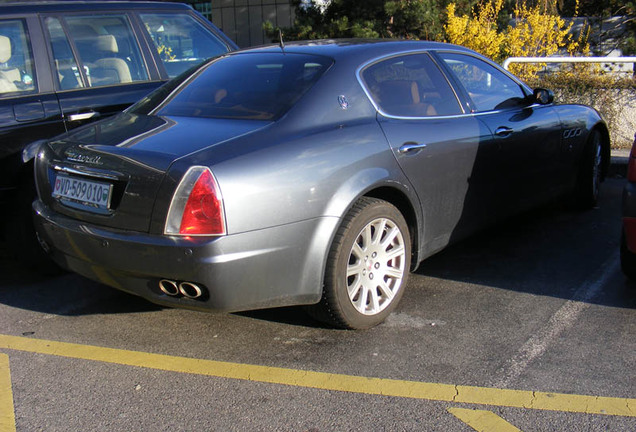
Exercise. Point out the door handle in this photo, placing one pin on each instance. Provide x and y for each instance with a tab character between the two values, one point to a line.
408	147
503	131
83	116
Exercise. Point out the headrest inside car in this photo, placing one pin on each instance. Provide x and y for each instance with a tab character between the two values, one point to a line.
5	49
107	43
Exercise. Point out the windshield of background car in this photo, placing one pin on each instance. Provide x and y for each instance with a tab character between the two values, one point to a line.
259	86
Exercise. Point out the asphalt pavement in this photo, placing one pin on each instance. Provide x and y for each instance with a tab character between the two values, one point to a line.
528	326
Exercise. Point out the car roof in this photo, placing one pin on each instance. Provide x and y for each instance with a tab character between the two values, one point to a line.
358	48
86	5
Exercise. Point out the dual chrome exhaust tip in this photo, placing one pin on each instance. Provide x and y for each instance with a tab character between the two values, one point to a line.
186	289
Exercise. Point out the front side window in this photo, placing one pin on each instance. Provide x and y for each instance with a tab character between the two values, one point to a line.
181	41
17	74
489	88
410	86
269	85
107	50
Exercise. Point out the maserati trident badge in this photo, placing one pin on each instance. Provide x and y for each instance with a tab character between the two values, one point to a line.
344	103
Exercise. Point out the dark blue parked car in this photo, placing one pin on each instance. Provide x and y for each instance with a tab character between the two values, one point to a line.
63	64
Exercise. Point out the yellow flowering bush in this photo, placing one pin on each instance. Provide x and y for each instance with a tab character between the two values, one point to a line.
165	52
478	32
539	34
536	33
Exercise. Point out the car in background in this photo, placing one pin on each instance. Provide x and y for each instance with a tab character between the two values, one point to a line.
322	177
63	64
628	233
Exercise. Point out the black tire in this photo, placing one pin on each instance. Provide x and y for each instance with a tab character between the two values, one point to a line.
590	173
628	260
365	275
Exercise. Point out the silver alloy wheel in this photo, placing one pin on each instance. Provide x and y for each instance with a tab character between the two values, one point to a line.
596	167
377	263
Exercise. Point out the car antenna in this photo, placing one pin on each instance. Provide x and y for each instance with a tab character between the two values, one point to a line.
280	38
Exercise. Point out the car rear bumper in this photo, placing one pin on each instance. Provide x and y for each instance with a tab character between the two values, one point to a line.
278	266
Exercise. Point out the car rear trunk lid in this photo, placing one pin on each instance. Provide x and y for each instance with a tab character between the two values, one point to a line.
109	173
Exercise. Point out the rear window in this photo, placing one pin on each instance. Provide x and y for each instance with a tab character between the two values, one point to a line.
245	86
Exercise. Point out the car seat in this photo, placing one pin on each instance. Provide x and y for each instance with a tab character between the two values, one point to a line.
8	75
403	98
109	69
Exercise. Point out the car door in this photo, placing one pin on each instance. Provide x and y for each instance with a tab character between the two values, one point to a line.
99	64
528	134
29	109
445	152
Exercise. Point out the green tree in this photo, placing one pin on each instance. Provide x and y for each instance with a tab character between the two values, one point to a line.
404	19
595	8
605	9
417	19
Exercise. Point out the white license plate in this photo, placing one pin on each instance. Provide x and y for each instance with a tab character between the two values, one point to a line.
91	193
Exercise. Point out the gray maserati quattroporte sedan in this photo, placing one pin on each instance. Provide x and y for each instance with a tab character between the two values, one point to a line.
317	173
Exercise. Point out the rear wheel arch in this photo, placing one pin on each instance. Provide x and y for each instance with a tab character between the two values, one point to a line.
402	202
393	196
367	265
388	185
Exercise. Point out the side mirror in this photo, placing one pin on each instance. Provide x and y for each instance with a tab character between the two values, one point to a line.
543	96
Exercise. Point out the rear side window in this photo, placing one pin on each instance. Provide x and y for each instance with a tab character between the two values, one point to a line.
95	51
246	86
181	41
17	74
410	85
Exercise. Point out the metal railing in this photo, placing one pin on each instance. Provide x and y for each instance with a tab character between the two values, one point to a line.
509	60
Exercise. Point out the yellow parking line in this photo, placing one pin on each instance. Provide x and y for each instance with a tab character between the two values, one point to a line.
328	381
7	414
483	421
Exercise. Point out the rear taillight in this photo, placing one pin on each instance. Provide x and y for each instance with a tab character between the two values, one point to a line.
631	166
197	205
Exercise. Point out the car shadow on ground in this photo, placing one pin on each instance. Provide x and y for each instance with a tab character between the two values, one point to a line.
552	251
294	316
61	294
